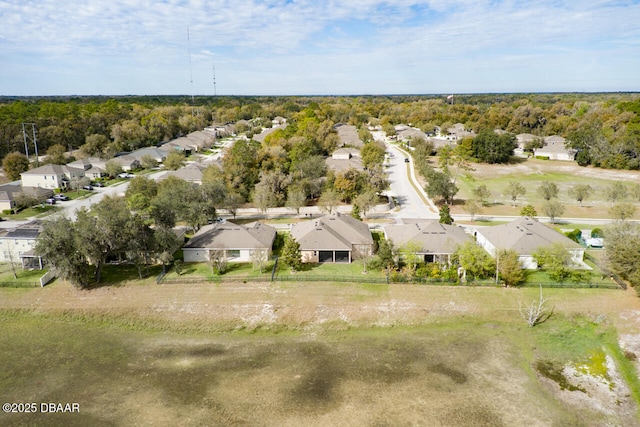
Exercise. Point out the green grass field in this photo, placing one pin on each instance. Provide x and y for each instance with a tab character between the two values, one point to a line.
531	174
473	371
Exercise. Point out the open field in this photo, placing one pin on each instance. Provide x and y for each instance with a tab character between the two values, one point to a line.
322	354
531	173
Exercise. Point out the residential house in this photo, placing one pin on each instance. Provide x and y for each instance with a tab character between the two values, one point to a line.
434	242
348	135
127	162
266	132
458	132
333	238
524	236
555	149
235	242
221	131
344	159
201	139
193	142
94	167
10	194
157	154
190	173
18	245
523	139
51	176
406	133
345	153
278	120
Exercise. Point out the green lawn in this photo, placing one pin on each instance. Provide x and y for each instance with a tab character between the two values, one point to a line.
117	274
353	272
36	211
24	276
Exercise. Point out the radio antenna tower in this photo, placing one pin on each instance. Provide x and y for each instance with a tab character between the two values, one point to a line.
214	81
190	73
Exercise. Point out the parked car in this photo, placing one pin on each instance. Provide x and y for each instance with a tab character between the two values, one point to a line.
87	187
406	159
50	201
125	175
60	197
97	184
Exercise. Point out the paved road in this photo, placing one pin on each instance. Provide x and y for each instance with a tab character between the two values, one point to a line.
411	204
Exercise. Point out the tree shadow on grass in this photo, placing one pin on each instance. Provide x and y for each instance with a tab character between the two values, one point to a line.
118	274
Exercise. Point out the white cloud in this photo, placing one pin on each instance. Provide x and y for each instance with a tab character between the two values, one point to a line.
401	43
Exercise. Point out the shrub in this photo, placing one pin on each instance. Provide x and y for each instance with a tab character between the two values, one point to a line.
574	235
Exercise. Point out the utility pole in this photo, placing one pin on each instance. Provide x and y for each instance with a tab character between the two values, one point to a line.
31	138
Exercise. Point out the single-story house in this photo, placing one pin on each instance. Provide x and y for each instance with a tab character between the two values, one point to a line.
266	132
525	235
10	193
345	153
344	159
190	173
51	176
333	238
201	139
348	135
555	149
406	133
237	243
278	120
17	245
221	131
458	131
157	154
434	242
525	138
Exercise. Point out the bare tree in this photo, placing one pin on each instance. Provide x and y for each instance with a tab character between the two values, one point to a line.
218	261
536	312
12	262
259	258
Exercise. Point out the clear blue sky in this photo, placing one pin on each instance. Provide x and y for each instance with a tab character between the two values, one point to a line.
341	47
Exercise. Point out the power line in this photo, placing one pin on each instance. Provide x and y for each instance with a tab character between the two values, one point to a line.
31	138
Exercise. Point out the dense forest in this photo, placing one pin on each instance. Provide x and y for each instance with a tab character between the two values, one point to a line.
604	128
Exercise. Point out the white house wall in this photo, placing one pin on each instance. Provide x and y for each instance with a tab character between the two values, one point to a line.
13	248
41	181
202	255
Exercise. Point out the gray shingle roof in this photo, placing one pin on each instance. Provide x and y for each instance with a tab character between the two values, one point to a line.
233	236
331	232
432	236
524	235
348	135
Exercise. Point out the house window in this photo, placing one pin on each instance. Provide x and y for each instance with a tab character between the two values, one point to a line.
234	253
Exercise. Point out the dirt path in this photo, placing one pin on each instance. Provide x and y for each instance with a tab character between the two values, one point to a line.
251	304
